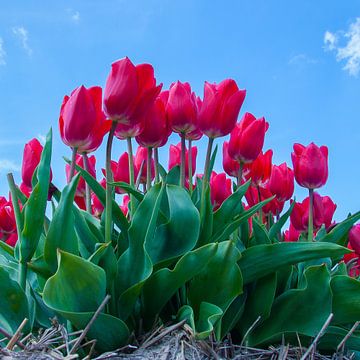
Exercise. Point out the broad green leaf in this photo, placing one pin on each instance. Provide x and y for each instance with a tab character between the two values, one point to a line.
134	265
129	189
6	250
164	283
13	303
220	281
34	211
173	176
180	232
261	236
76	291
334	335
276	228
260	260
62	234
303	311
346	299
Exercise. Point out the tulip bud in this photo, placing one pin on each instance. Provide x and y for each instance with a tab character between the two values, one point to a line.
220	189
82	122
129	91
220	108
175	158
310	165
247	138
281	182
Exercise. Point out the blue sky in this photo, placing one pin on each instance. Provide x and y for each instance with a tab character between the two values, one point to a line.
298	60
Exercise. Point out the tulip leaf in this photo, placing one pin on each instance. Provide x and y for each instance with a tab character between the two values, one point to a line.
129	189
34	211
261	260
180	232
164	283
134	265
276	228
303	311
173	176
220	280
62	234
76	291
206	215
212	159
334	335
13	303
346	299
261	236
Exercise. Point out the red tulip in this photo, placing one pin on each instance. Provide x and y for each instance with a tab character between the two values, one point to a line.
82	122
220	189
220	108
281	182
291	235
129	91
80	190
329	210
260	168
252	197
354	238
140	157
175	158
230	165
247	138
7	216
181	108
310	165
97	206
125	205
156	129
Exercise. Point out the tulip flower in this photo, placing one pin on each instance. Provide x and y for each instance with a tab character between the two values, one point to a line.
220	189
329	209
8	231
31	159
281	182
140	157
175	158
354	258
247	138
125	205
97	206
260	168
254	195
291	235
231	166
310	165
354	238
82	122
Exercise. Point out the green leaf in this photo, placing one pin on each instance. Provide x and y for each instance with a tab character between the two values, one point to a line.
173	176
220	280
164	283
212	159
276	228
76	291
134	265
129	189
13	303
34	211
180	232
346	299
62	234
260	260
261	236
303	311
338	234
334	335
206	215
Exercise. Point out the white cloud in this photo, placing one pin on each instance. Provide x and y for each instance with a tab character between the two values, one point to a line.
2	53
74	15
350	52
23	35
300	59
8	165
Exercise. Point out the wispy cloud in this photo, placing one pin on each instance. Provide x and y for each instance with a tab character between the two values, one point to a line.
23	35
350	52
74	15
8	165
301	59
2	53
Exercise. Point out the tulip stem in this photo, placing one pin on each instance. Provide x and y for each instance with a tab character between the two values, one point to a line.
131	175
206	175
148	168
87	187
190	166
182	164
259	200
239	177
156	160
311	223
109	179
73	163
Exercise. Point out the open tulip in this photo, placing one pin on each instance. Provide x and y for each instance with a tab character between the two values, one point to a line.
247	138
310	165
220	189
82	122
281	182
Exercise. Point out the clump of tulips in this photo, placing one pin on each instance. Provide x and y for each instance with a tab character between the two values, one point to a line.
162	244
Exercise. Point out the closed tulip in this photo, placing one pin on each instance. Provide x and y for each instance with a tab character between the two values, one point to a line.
260	168
220	108
354	238
310	165
175	158
82	122
97	206
220	189
291	235
247	138
140	157
231	166
329	209
281	182
129	91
